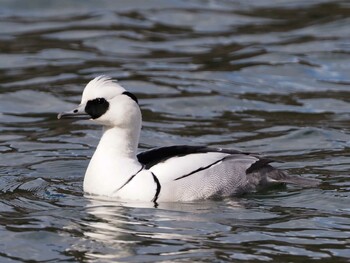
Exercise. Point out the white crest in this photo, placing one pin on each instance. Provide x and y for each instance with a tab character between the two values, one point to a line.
101	87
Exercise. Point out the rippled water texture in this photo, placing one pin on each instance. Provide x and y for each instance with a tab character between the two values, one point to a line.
268	76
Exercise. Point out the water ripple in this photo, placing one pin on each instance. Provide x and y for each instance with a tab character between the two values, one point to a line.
263	76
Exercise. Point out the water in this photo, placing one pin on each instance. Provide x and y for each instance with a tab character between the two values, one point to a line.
269	77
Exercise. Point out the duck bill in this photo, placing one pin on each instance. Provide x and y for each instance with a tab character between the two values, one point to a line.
77	113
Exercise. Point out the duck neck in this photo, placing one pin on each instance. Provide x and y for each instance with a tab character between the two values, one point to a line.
119	142
113	161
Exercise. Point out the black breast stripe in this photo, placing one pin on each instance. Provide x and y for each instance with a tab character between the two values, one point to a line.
199	169
130	178
158	188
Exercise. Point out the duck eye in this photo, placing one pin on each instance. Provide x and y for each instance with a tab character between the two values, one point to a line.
100	100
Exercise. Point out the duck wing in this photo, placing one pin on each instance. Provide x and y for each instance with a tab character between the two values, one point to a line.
174	163
155	156
178	162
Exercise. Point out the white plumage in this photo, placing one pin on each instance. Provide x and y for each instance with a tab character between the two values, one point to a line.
174	173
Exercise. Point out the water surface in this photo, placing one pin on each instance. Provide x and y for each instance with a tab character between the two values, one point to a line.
262	76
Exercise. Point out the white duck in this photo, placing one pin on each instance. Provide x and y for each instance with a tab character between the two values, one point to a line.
174	173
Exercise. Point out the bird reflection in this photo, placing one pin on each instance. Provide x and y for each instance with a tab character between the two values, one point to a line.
122	229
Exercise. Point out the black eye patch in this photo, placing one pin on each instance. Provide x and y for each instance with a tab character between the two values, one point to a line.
97	107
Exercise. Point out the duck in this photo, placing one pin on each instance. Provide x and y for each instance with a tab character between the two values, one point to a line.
176	173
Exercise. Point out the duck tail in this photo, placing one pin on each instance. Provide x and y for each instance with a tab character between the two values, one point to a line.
278	176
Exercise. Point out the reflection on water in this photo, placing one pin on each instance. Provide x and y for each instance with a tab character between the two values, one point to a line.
262	76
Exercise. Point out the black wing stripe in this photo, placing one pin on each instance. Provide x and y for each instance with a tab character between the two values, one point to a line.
158	188
200	169
130	178
158	155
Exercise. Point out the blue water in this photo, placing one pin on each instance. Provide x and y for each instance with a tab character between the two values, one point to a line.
262	76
